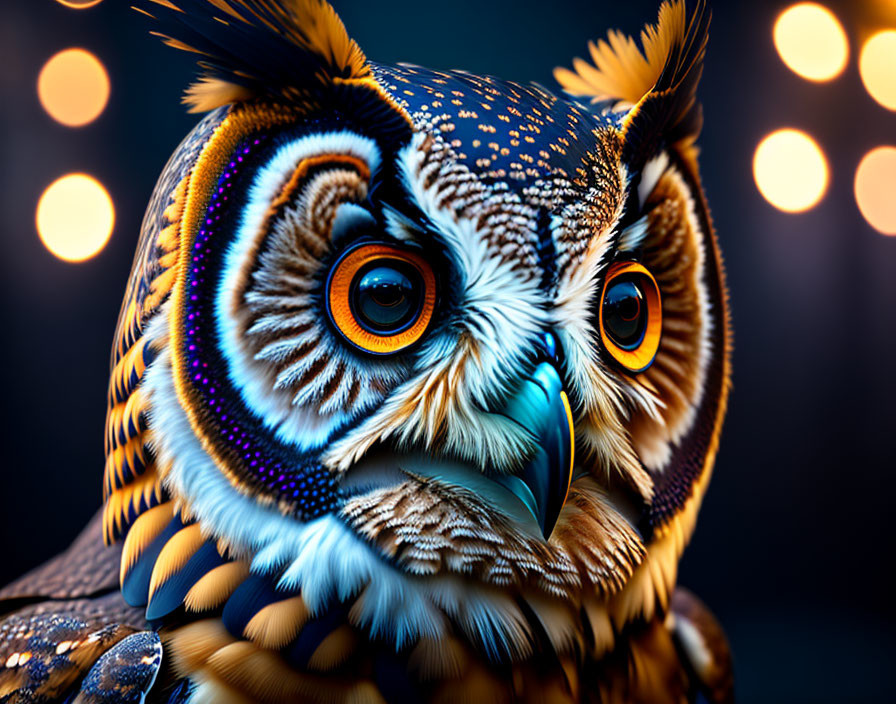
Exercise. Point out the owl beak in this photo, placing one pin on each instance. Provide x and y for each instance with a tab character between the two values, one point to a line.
541	406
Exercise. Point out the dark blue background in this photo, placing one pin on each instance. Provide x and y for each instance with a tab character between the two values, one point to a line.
793	547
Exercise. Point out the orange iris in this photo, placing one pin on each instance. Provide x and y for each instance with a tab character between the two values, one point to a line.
631	316
381	298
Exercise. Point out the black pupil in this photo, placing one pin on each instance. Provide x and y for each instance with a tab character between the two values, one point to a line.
625	314
386	298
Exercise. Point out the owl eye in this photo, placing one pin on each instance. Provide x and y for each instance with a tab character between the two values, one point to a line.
386	297
381	298
631	316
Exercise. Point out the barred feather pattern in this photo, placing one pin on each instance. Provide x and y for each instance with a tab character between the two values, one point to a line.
673	387
282	323
431	528
131	481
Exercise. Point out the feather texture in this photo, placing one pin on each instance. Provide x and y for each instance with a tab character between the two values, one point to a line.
275	625
294	50
343	522
656	85
216	586
622	73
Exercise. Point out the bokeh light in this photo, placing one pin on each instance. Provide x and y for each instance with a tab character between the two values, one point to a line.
790	170
75	216
811	41
79	4
876	189
73	87
877	64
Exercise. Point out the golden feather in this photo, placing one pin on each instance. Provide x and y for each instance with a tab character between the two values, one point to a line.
145	529
294	48
334	650
216	586
209	93
655	86
277	624
622	73
176	553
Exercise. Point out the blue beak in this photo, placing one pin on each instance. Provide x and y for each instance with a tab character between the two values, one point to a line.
541	406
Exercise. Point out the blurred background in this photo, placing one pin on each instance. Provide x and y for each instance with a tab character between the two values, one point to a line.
793	546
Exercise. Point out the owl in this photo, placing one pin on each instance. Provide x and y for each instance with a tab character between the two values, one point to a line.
415	391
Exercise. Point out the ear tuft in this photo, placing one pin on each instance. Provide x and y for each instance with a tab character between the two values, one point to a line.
296	51
656	86
208	94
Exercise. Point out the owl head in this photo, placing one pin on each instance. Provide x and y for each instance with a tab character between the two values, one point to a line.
443	351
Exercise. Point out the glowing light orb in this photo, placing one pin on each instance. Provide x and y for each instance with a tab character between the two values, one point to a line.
790	170
73	87
875	188
877	65
810	40
79	4
75	216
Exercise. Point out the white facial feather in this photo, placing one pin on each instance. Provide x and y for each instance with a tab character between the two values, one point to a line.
632	236
650	176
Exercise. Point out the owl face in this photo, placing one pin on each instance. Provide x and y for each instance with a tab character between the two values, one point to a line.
407	332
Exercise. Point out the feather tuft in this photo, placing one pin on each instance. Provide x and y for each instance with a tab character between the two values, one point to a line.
656	84
209	93
292	50
622	73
